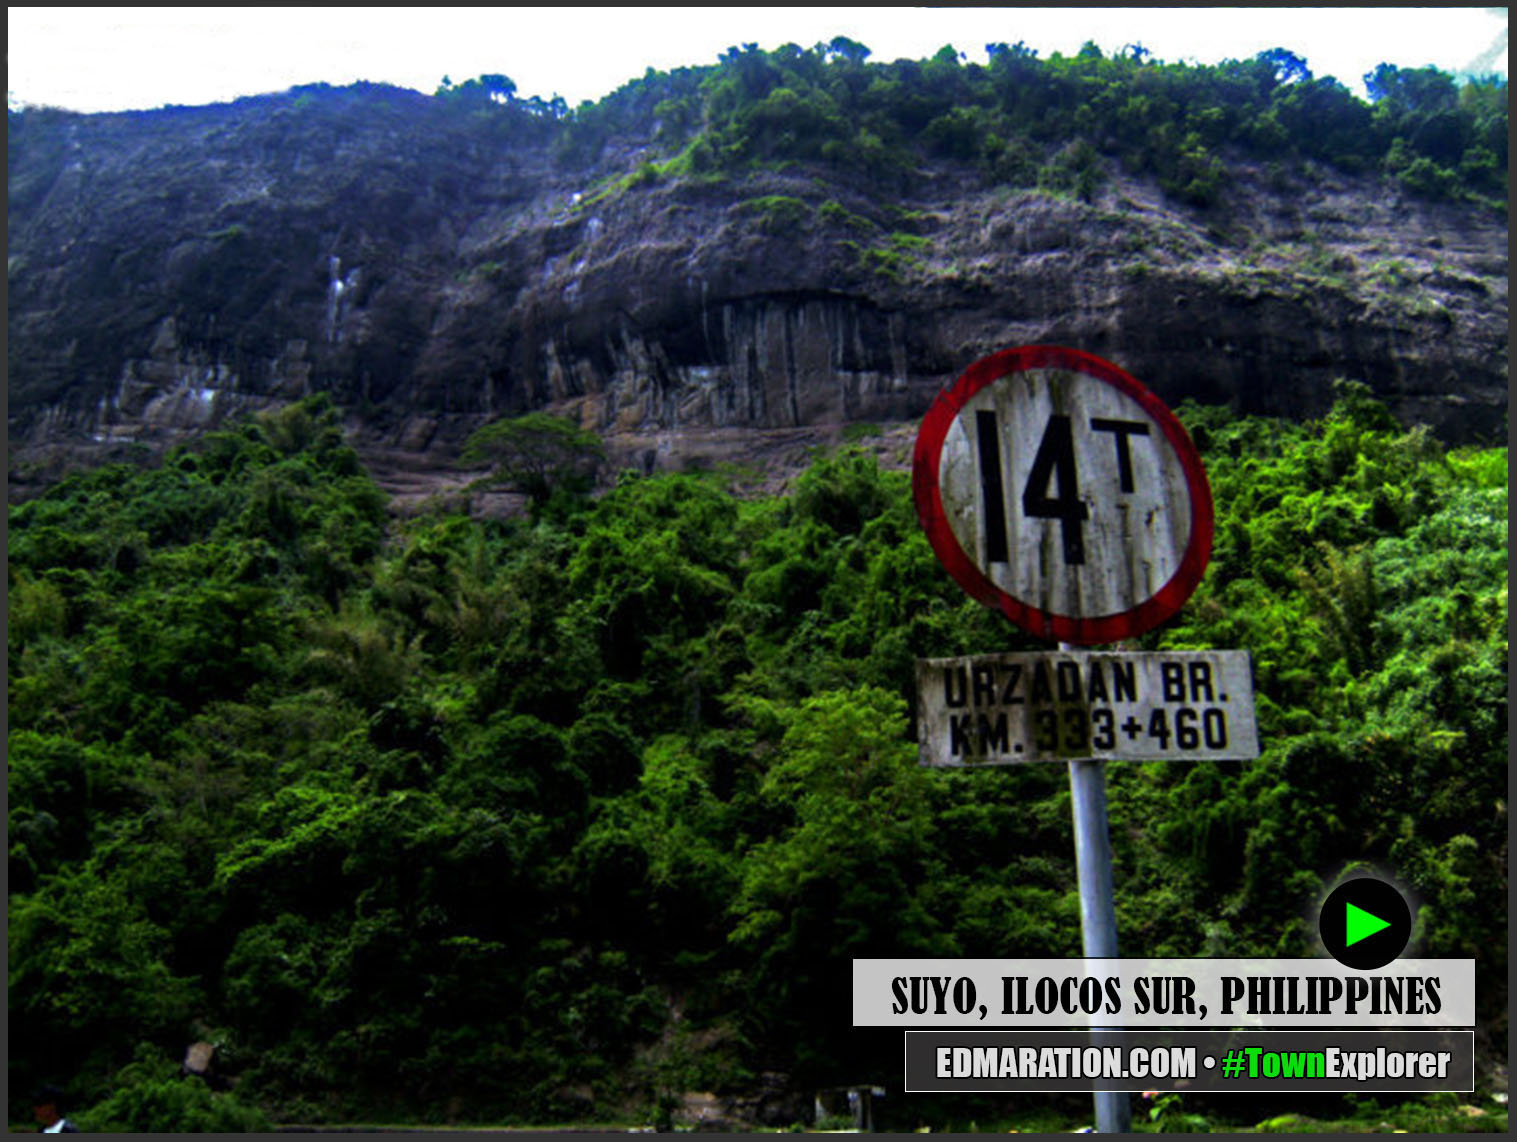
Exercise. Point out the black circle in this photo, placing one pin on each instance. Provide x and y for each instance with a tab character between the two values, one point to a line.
1383	904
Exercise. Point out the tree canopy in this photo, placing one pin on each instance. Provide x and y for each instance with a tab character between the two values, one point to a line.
536	453
544	820
1180	122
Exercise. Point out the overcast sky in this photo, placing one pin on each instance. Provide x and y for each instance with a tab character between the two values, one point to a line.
98	59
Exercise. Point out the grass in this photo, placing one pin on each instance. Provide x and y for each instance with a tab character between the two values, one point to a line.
777	213
1390	274
907	217
859	430
1442	1113
896	259
836	214
677	166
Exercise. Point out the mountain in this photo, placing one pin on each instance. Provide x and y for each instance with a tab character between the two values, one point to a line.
737	261
582	818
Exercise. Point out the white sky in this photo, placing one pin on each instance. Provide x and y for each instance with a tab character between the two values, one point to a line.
98	59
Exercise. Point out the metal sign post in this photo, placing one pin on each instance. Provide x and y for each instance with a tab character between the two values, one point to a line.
1098	912
1098	903
1059	491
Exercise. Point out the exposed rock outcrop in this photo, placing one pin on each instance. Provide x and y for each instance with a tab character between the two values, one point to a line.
168	269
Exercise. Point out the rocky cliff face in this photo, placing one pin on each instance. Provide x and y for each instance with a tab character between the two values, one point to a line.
433	270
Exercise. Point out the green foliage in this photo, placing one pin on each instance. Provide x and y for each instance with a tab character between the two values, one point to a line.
1440	1113
89	965
1074	170
897	259
847	869
776	213
1017	119
836	214
498	89
489	105
1423	177
37	609
1368	504
538	454
452	820
860	430
150	1097
1169	1116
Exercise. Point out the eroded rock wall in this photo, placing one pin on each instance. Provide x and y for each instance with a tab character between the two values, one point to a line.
170	269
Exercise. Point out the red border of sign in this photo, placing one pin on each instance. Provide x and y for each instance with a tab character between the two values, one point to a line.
1066	628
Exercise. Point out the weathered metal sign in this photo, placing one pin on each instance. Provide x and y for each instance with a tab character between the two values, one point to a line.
1057	489
1004	709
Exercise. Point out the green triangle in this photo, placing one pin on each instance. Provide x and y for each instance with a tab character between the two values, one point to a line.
1360	924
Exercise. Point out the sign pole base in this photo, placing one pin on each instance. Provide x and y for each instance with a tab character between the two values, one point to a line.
1098	914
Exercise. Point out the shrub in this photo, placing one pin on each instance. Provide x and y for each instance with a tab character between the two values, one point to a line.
151	1096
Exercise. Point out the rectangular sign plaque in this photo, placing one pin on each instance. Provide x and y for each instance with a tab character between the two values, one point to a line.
1004	709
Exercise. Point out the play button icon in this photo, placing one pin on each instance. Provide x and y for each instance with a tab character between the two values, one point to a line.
1361	924
1365	923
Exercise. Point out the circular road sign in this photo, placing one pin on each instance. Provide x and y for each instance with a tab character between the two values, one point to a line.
1058	490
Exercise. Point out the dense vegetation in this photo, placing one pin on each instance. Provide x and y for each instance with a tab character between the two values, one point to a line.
1023	121
556	818
1019	120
